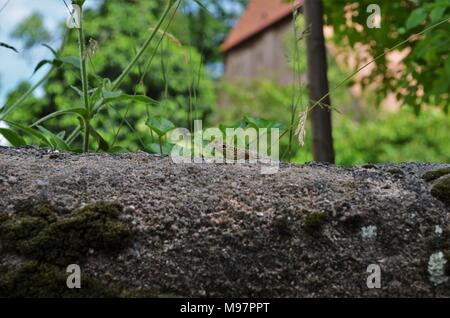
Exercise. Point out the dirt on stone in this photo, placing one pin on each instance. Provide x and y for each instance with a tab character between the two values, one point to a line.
225	230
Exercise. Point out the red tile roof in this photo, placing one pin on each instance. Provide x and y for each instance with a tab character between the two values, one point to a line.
258	16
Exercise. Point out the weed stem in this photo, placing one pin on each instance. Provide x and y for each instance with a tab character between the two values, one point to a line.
84	83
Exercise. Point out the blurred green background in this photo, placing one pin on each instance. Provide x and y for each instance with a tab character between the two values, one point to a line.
185	73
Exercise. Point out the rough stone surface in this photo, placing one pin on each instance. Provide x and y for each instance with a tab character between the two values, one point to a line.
228	231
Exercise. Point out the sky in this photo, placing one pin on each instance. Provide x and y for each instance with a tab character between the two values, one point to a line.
14	67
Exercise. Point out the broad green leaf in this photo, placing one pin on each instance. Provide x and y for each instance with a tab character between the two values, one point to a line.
102	143
160	125
115	97
156	149
241	124
56	142
436	14
31	132
72	111
41	64
258	123
50	48
72	60
107	94
12	137
416	18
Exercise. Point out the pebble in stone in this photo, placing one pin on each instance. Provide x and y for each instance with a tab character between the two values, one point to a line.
42	183
130	209
12	180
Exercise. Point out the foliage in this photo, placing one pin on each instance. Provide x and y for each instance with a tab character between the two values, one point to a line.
32	31
365	136
397	137
425	79
174	79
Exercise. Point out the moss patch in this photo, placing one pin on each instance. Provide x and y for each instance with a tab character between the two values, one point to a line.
441	189
51	240
39	233
435	174
37	280
314	223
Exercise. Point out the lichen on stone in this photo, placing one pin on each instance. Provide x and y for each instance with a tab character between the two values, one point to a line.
438	230
437	268
369	232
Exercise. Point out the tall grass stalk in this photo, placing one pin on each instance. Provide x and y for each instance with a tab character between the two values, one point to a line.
84	83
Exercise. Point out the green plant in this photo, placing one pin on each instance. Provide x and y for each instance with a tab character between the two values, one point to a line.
161	127
94	99
427	64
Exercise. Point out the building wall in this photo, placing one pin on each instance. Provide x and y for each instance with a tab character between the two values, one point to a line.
262	56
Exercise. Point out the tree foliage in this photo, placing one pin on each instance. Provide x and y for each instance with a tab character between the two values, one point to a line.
425	80
171	73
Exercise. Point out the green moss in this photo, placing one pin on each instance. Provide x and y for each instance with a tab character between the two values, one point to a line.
51	239
282	225
314	223
441	189
40	234
37	280
435	174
